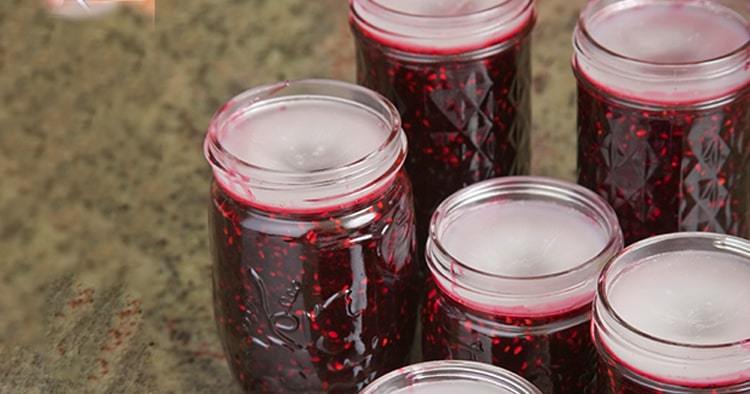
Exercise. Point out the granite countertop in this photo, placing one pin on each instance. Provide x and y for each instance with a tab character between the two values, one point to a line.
104	265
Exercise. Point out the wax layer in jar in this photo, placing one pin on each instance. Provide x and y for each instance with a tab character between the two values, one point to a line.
518	239
669	151
306	135
454	387
463	95
523	238
696	298
312	296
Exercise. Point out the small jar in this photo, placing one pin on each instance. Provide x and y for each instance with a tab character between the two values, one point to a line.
459	74
664	113
449	377
671	316
514	263
312	231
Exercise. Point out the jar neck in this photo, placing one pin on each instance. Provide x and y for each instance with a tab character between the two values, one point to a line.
534	296
459	32
660	83
306	191
652	359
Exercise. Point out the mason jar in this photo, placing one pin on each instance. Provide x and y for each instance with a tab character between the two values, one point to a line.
312	234
671	316
664	113
449	377
514	264
460	75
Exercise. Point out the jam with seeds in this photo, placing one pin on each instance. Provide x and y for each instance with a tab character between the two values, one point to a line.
465	105
557	356
315	302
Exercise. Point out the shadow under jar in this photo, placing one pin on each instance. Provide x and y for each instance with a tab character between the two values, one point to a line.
450	377
459	73
312	231
514	263
664	113
672	316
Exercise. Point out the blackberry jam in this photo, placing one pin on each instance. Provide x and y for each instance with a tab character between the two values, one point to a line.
671	316
514	263
459	74
449	377
312	230
664	113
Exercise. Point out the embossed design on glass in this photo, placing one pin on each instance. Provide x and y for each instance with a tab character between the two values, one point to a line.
313	237
459	74
514	263
664	125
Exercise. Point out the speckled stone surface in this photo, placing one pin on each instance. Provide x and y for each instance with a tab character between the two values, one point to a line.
104	267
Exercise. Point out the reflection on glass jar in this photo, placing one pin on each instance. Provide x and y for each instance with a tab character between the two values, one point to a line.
664	113
313	237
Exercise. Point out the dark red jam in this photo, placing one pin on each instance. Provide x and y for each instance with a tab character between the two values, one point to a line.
558	361
676	168
317	301
467	116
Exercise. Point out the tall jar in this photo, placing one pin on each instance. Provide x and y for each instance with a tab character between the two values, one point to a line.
664	113
514	264
312	234
449	377
671	316
459	74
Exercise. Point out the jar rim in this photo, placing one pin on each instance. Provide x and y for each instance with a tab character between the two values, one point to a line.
554	293
367	171
531	184
659	84
461	33
450	370
720	242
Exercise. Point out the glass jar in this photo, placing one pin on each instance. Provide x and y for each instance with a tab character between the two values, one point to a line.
459	74
312	231
514	264
447	377
671	316
664	113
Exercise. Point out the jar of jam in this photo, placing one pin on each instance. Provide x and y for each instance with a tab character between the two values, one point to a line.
664	113
514	264
312	233
459	73
672	316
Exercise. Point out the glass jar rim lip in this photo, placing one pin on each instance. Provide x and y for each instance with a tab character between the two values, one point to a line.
719	239
538	183
393	11
499	375
264	93
582	28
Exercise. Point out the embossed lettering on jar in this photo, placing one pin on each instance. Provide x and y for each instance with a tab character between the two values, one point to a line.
313	237
664	113
459	73
672	316
514	263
